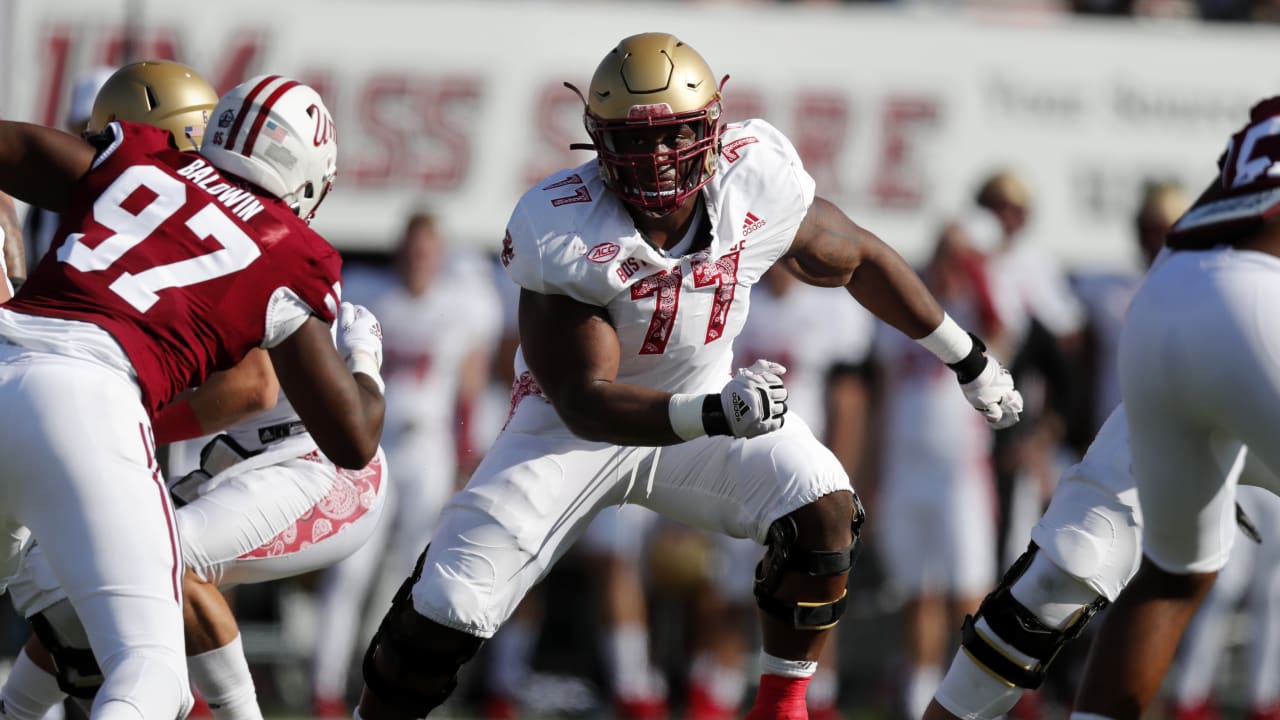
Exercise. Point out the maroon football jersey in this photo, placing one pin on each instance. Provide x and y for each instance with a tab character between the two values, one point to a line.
1247	192
176	261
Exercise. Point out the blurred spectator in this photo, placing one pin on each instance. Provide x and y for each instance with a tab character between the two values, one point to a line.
1106	296
1043	323
934	521
440	320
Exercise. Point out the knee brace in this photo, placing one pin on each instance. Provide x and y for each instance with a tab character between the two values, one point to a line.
61	633
1019	628
781	557
401	657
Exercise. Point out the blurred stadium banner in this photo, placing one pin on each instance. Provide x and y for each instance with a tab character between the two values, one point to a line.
898	113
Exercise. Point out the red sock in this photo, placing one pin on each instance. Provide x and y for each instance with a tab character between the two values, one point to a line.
780	698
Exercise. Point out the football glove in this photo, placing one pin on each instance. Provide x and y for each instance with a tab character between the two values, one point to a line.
359	340
992	393
753	403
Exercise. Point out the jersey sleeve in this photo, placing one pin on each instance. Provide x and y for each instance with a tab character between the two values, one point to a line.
760	163
314	285
521	251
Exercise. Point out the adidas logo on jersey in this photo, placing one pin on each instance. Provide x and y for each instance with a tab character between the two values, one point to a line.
739	407
750	224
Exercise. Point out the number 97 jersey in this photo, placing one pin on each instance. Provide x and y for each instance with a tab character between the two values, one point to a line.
187	269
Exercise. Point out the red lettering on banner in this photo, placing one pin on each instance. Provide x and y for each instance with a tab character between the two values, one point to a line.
743	104
418	125
899	181
444	165
822	125
557	122
114	46
58	45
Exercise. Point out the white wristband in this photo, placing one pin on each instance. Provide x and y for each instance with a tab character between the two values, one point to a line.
685	412
364	363
949	342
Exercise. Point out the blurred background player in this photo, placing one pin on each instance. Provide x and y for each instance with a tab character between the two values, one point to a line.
440	320
935	510
1042	321
1092	505
1106	296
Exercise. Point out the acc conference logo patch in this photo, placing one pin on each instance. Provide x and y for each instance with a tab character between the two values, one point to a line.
604	252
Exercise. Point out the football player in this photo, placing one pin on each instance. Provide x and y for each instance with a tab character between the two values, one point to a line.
1084	549
1199	376
168	266
636	271
264	504
437	361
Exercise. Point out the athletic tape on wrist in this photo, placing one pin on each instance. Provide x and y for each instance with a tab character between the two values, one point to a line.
685	412
366	364
949	342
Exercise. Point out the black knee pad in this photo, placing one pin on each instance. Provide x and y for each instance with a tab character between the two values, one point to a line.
400	659
781	557
1020	628
76	668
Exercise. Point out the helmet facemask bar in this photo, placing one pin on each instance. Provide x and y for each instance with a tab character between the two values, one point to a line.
636	177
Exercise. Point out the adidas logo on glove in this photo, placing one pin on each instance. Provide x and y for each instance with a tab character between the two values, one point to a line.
739	407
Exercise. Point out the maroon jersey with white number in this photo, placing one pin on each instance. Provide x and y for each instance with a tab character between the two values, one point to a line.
1247	192
179	263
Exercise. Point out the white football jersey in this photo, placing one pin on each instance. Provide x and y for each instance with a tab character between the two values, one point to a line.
676	316
427	338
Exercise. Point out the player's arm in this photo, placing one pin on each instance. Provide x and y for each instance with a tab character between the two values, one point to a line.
573	352
40	165
830	250
223	400
341	406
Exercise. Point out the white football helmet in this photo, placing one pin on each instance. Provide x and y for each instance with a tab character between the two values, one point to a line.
276	133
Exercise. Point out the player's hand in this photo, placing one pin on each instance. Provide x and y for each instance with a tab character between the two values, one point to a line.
359	332
755	400
992	393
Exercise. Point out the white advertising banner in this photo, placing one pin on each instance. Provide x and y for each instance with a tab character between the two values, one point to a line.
459	106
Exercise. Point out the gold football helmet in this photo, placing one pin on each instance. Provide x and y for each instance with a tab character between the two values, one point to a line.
163	93
653	80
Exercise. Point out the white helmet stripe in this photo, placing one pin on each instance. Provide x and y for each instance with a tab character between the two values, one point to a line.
263	111
243	112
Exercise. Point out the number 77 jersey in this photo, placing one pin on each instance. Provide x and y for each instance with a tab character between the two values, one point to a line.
676	314
186	268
